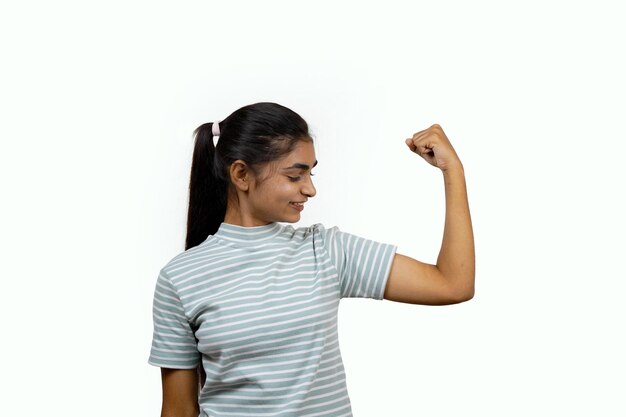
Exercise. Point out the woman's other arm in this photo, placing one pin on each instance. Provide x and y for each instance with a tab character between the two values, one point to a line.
180	392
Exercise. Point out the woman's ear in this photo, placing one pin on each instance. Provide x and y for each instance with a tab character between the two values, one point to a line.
240	175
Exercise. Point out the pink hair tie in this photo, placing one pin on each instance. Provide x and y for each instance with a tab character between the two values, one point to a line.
216	128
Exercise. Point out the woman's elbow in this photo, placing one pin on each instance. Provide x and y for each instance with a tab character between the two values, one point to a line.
463	294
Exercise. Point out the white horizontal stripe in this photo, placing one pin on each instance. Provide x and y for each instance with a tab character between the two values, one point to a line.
173	350
331	298
206	332
242	274
276	341
307	382
281	331
219	264
236	301
276	397
169	364
179	344
169	331
172	359
273	372
178	313
248	284
249	407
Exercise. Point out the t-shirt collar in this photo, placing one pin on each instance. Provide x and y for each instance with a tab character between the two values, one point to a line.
251	234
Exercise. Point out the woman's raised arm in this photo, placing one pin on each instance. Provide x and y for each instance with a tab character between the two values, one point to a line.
451	280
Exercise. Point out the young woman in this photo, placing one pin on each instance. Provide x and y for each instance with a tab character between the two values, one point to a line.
245	319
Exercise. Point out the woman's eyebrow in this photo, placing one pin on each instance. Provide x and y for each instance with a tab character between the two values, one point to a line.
300	166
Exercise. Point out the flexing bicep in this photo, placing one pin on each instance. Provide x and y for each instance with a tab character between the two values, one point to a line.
415	282
180	392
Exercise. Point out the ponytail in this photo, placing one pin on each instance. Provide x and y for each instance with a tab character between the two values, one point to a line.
207	191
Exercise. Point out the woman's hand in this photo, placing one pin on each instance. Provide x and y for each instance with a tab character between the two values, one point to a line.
433	145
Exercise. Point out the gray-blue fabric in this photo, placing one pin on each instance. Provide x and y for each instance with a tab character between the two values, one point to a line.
257	307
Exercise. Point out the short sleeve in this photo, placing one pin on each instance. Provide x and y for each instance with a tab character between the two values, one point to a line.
363	265
173	343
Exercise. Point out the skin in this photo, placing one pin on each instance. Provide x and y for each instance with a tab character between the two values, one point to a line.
180	393
449	281
253	202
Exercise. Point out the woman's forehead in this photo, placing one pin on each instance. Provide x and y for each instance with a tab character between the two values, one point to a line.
302	157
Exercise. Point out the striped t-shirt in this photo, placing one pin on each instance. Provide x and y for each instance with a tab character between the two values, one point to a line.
257	307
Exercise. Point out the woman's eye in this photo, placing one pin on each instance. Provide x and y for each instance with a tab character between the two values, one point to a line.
294	179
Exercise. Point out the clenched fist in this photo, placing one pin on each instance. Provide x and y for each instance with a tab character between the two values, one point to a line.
433	145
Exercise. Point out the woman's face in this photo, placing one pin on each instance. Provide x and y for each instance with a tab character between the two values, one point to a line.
289	181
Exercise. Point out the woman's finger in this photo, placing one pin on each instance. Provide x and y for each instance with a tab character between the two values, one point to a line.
420	133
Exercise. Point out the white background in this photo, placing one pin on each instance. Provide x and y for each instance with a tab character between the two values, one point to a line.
99	101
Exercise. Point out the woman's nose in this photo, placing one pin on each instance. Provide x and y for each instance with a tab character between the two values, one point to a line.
309	189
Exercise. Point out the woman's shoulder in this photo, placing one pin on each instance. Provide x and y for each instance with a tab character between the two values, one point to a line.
205	250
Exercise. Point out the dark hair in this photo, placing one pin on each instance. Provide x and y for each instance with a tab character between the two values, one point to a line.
257	134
